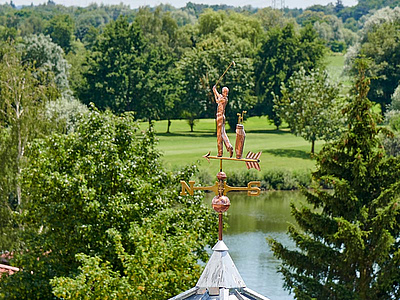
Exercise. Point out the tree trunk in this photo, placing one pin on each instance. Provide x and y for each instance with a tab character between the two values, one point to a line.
312	147
20	154
168	125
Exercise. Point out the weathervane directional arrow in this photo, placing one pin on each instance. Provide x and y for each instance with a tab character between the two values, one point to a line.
252	160
253	188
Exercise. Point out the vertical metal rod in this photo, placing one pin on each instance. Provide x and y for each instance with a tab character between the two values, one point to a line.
220	226
220	165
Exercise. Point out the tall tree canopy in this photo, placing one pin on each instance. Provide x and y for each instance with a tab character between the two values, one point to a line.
282	53
101	191
311	106
202	67
23	97
222	37
380	42
114	68
128	73
61	30
348	241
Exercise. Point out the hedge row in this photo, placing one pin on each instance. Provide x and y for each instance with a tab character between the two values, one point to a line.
274	179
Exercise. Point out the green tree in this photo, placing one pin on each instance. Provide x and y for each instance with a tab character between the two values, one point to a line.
90	19
201	68
348	240
61	30
159	91
22	119
33	24
282	53
170	267
271	18
380	42
114	68
310	104
101	191
222	37
46	57
158	28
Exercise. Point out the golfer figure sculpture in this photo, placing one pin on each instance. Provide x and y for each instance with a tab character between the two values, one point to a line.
222	138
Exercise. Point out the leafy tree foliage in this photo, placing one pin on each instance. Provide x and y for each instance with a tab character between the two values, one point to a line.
86	190
61	29
310	105
22	99
366	7
380	43
271	18
243	32
88	20
125	75
223	38
202	67
170	267
158	28
282	53
160	90
114	68
348	245
46	57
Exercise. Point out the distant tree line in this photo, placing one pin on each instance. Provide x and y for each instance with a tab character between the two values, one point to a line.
145	68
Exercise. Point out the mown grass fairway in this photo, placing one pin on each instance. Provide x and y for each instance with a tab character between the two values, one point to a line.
281	149
334	66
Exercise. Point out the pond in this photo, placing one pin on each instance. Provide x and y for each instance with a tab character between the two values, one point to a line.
251	220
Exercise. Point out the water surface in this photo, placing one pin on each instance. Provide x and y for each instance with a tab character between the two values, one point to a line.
251	220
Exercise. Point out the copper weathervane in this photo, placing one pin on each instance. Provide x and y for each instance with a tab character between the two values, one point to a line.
221	202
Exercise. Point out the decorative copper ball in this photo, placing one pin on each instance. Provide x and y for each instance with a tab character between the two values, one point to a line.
221	204
221	175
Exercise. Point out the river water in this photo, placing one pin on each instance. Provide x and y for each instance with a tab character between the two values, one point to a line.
251	221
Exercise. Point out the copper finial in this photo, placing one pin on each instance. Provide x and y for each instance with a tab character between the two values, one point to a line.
221	203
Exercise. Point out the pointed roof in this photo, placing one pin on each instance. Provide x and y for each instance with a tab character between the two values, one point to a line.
220	271
220	280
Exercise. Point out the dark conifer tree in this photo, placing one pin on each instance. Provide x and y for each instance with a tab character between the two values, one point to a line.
348	238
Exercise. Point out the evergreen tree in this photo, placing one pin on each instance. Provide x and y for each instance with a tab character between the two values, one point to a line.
348	243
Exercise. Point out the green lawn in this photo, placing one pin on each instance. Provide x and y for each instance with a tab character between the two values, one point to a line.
334	66
281	149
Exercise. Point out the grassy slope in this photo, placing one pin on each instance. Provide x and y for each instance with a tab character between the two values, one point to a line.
281	150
